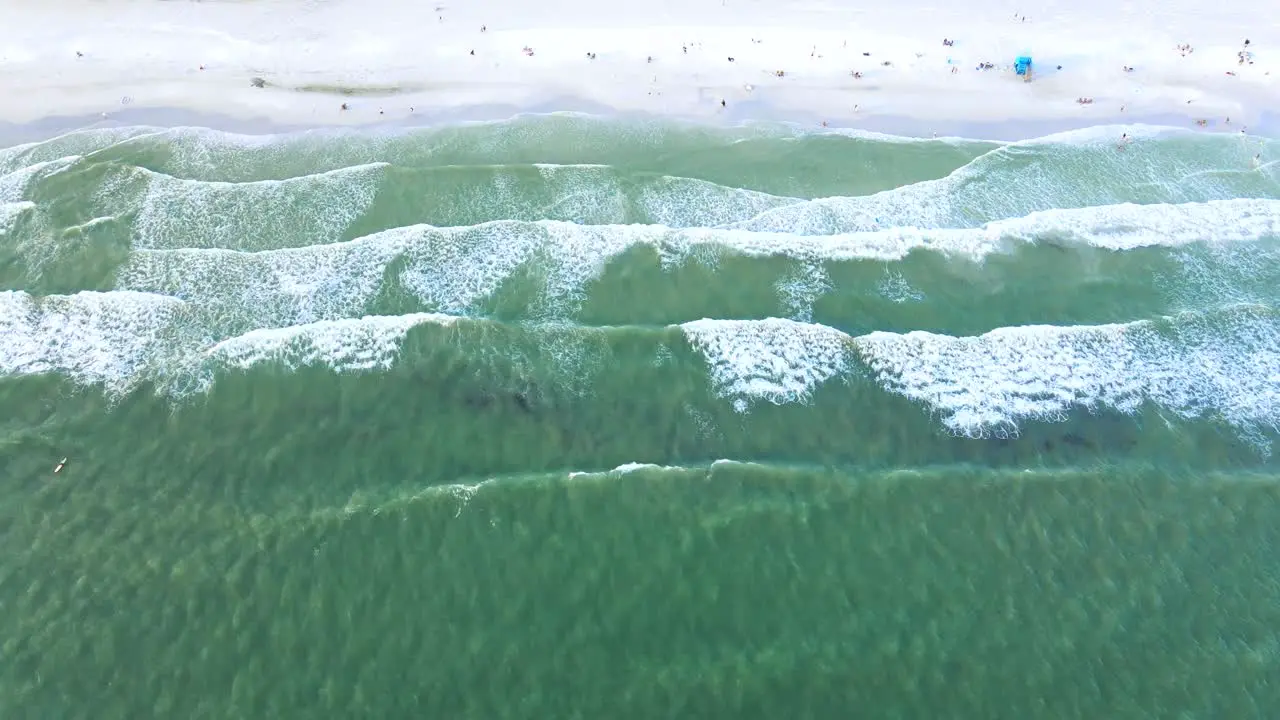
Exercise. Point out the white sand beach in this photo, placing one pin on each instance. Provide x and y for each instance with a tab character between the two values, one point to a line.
310	62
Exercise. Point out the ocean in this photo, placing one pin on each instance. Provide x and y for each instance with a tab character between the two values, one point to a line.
579	417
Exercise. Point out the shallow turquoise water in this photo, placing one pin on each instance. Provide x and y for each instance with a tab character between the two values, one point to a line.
574	417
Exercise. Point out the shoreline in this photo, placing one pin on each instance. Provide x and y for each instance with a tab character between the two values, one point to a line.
284	65
1009	131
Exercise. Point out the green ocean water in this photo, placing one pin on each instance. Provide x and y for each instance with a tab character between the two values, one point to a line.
573	417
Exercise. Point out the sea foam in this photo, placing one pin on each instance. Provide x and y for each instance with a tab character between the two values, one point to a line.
455	270
114	339
1225	363
311	210
1018	179
368	343
1222	363
774	360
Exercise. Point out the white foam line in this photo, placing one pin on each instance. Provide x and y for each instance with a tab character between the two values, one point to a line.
242	291
252	185
626	469
75	143
209	141
603	195
723	462
1104	135
177	213
197	148
202	150
1225	363
994	381
1127	226
119	339
631	467
89	224
14	184
1113	227
114	339
368	343
549	166
9	156
9	213
797	130
774	360
1086	136
968	197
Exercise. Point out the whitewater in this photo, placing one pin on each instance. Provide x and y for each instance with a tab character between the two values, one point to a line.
181	255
